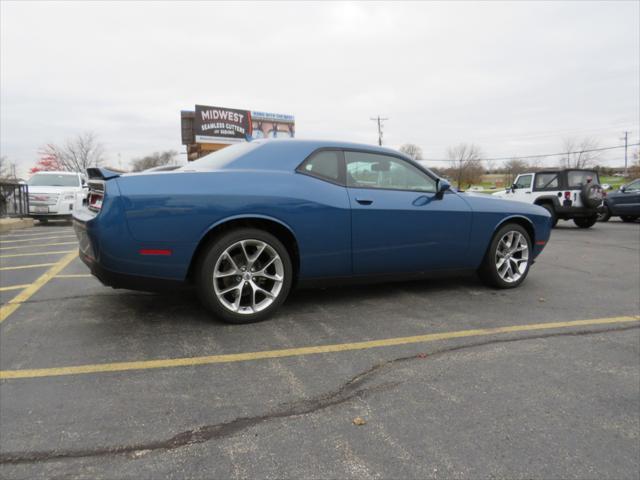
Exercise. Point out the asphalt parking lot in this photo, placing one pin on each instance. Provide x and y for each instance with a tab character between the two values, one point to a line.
447	378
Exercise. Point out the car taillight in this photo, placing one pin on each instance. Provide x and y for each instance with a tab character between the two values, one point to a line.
95	197
95	201
567	195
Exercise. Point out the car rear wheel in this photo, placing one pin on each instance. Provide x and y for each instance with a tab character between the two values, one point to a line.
244	276
507	261
628	218
585	222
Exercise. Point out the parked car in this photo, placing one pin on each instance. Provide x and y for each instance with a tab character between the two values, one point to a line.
54	195
570	194
625	203
247	223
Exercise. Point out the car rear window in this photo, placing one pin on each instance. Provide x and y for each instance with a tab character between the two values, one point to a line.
221	158
579	178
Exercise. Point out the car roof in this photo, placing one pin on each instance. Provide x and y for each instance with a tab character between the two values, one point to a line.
281	154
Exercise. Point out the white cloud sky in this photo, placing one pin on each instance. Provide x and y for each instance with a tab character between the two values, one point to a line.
513	77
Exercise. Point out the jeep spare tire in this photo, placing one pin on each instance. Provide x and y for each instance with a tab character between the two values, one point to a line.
591	195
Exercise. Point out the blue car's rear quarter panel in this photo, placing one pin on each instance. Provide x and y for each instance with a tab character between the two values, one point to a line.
489	213
176	210
106	241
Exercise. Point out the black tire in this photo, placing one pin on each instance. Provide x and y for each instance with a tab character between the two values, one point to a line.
554	217
628	218
585	222
604	215
44	221
591	195
488	271
207	264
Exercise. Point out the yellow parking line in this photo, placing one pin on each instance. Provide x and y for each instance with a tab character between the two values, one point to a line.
21	267
2	242
294	352
40	245
14	303
34	254
13	287
75	275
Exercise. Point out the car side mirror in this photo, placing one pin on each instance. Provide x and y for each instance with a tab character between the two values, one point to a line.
514	186
623	188
443	186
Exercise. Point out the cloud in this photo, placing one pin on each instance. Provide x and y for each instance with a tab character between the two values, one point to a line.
513	77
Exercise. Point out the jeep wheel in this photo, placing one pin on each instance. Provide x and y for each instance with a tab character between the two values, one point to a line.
591	195
628	218
585	222
604	215
552	211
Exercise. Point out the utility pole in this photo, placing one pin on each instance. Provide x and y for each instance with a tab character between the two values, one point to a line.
626	137
380	125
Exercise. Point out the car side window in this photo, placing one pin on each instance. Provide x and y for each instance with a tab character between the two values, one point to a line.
579	178
524	181
370	170
546	181
324	164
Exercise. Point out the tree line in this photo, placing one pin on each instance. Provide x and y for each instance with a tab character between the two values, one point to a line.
466	164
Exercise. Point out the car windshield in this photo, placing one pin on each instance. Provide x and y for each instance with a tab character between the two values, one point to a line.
220	158
54	180
579	178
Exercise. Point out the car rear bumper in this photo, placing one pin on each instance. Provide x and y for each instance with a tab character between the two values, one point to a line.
92	254
575	212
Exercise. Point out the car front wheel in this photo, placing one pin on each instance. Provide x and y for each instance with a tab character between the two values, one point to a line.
508	258
244	276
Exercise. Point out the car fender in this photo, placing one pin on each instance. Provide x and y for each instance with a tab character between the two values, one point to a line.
244	216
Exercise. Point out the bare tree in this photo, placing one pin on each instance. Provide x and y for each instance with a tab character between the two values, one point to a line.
77	154
578	153
156	159
512	169
412	151
4	168
7	169
466	164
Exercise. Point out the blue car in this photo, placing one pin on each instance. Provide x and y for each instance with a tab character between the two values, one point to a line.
247	223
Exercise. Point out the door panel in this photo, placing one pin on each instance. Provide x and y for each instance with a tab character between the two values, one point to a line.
396	231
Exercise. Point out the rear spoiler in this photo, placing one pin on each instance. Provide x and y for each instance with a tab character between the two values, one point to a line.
102	173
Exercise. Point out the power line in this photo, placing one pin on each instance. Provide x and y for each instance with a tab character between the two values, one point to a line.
543	155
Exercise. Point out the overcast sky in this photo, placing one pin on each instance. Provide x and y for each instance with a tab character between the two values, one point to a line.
513	77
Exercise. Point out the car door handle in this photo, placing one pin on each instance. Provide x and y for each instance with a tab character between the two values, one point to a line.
364	201
527	192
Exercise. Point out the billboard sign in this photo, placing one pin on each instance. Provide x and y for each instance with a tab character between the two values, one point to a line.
221	124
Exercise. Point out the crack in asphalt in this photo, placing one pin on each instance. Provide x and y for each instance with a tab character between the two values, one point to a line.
353	388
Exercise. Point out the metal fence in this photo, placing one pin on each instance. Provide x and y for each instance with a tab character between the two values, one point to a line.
14	200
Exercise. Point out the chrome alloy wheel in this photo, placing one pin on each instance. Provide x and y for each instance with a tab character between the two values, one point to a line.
512	256
248	276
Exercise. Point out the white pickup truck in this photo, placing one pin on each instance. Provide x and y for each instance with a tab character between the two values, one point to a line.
54	195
